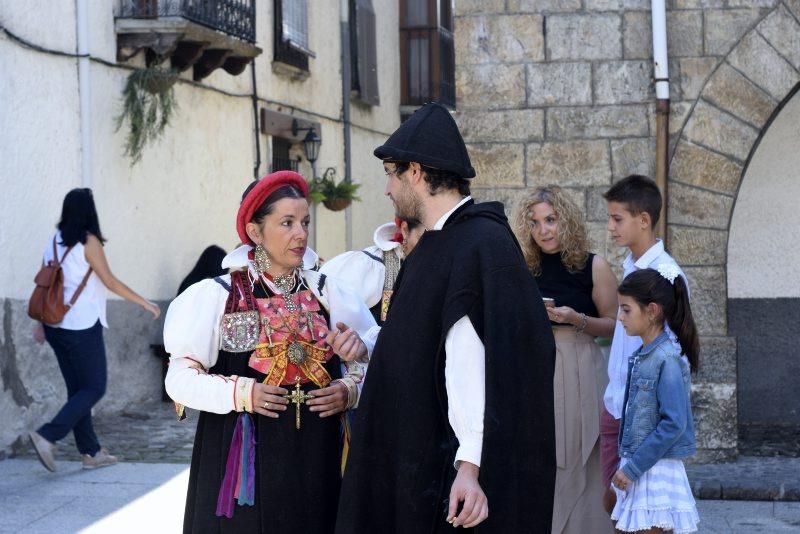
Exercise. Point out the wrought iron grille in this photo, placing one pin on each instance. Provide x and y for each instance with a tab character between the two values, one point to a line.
234	17
284	164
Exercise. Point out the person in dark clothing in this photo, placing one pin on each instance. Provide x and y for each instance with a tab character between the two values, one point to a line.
456	417
208	265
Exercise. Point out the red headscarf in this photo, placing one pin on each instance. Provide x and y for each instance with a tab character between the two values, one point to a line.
263	189
398	235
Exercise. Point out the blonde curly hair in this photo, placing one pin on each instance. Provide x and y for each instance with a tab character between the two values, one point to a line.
572	235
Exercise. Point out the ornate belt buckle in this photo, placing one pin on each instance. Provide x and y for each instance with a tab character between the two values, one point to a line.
239	331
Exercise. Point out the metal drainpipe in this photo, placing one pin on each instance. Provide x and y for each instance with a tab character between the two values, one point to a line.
84	90
256	129
661	70
346	74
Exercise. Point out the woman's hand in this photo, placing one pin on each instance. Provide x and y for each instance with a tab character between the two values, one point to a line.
268	400
346	343
330	400
563	315
38	332
621	481
152	308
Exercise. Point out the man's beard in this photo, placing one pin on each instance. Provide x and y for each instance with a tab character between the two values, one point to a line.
408	206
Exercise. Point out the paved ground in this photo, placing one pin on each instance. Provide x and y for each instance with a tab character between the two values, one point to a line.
146	491
149	497
150	433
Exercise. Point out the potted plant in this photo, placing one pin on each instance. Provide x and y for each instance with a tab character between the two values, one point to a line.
148	105
334	196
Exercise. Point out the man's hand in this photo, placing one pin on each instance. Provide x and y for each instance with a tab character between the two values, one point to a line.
467	489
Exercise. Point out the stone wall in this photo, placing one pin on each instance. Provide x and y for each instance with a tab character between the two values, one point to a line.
561	92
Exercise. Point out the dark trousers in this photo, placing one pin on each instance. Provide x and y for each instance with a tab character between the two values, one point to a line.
81	357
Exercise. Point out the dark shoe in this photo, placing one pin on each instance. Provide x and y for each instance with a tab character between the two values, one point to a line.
44	450
100	459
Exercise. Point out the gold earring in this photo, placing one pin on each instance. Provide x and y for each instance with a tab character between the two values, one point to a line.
261	259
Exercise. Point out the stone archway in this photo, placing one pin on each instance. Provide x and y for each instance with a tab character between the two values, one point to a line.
711	154
763	292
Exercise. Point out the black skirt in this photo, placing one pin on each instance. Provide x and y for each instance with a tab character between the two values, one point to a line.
297	471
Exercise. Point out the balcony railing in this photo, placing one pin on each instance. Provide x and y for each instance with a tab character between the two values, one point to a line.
233	17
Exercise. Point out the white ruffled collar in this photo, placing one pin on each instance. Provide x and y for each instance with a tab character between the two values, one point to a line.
238	258
383	237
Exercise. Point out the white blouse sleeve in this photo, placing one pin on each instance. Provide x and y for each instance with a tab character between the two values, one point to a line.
362	271
346	307
465	382
191	337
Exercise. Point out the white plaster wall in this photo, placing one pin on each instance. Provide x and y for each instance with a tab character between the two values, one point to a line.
39	160
182	196
764	243
47	23
190	181
375	207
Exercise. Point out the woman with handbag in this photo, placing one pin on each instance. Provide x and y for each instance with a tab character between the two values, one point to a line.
271	355
77	338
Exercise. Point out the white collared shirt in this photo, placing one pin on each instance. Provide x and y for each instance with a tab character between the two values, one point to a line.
623	345
465	379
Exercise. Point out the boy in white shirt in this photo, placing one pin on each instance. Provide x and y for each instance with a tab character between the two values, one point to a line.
634	206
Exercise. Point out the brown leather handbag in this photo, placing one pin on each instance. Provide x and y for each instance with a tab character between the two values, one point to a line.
47	301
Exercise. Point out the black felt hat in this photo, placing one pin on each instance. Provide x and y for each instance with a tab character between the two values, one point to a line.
430	137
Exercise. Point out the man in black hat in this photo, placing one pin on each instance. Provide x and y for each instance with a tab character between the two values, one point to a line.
455	423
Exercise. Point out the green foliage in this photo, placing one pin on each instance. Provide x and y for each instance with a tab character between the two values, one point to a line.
148	105
326	189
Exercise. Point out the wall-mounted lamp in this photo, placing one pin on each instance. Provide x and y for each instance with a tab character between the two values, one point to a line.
311	144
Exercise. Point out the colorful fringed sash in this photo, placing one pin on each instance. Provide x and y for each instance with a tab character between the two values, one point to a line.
240	470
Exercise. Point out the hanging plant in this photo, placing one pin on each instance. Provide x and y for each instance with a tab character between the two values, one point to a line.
334	196
148	105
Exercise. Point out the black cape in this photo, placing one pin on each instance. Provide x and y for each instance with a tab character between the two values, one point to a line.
400	466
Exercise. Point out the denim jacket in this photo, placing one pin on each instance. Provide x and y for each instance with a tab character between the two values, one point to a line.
657	419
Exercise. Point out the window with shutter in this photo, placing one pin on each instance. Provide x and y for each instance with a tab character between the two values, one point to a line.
363	52
291	33
427	54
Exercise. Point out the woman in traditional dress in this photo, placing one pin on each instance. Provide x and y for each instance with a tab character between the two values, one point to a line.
271	355
552	234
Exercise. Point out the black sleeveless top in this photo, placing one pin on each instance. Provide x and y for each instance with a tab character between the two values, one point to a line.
566	288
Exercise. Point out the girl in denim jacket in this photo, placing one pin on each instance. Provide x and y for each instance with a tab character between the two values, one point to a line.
656	431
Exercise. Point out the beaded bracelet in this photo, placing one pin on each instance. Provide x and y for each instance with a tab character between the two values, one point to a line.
580	328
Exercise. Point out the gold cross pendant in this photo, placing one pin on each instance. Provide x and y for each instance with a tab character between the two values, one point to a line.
297	398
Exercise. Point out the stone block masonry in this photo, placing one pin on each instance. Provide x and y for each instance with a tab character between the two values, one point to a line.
564	95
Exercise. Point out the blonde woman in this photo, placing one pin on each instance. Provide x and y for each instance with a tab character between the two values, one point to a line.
583	289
